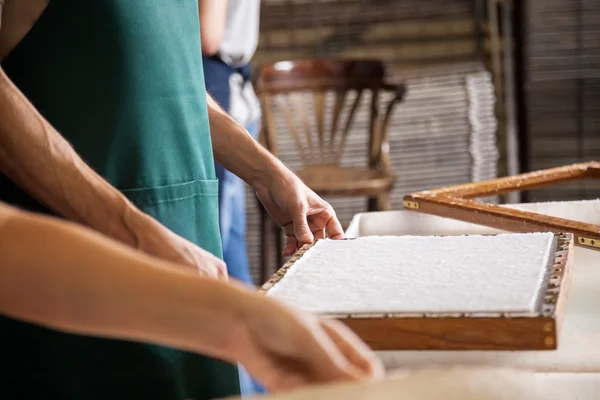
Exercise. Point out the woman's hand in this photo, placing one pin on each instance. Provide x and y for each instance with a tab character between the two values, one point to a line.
302	214
124	294
284	348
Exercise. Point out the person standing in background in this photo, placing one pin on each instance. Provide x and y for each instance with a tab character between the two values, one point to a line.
229	34
229	31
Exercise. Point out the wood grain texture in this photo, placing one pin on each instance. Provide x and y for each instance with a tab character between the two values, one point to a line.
319	74
463	333
457	202
459	331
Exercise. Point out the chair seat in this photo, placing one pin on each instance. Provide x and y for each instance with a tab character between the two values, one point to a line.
334	180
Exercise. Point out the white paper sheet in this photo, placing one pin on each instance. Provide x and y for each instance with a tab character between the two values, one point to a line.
470	274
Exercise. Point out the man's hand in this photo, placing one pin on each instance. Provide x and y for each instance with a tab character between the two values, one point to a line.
284	348
156	240
302	214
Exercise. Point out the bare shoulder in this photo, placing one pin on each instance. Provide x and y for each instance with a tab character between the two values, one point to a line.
17	17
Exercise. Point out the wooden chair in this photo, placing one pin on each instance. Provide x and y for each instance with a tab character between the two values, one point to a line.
278	86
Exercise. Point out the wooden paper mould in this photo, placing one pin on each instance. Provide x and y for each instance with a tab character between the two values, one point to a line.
456	202
459	331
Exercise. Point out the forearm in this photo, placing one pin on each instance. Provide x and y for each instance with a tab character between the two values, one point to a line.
237	151
38	159
66	277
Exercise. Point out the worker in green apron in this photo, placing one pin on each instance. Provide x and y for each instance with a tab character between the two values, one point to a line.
122	83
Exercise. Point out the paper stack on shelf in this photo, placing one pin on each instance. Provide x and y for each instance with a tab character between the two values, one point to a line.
483	126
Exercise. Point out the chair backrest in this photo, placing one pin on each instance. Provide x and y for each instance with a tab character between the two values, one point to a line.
316	101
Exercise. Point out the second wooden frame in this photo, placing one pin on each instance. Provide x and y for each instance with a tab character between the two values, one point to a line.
457	202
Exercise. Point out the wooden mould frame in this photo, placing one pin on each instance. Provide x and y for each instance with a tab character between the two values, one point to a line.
457	202
459	331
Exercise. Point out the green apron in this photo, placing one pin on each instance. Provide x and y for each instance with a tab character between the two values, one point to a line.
122	80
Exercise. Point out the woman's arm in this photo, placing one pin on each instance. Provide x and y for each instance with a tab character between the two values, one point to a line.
213	15
66	277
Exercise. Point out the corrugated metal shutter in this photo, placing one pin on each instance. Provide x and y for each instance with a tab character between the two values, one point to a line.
562	71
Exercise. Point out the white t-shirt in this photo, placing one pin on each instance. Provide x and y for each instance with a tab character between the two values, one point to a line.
241	32
237	48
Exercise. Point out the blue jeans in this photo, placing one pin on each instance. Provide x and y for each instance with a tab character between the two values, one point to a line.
232	215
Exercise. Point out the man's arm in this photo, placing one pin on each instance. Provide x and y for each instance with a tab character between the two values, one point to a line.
66	277
237	151
35	156
302	214
38	159
213	15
